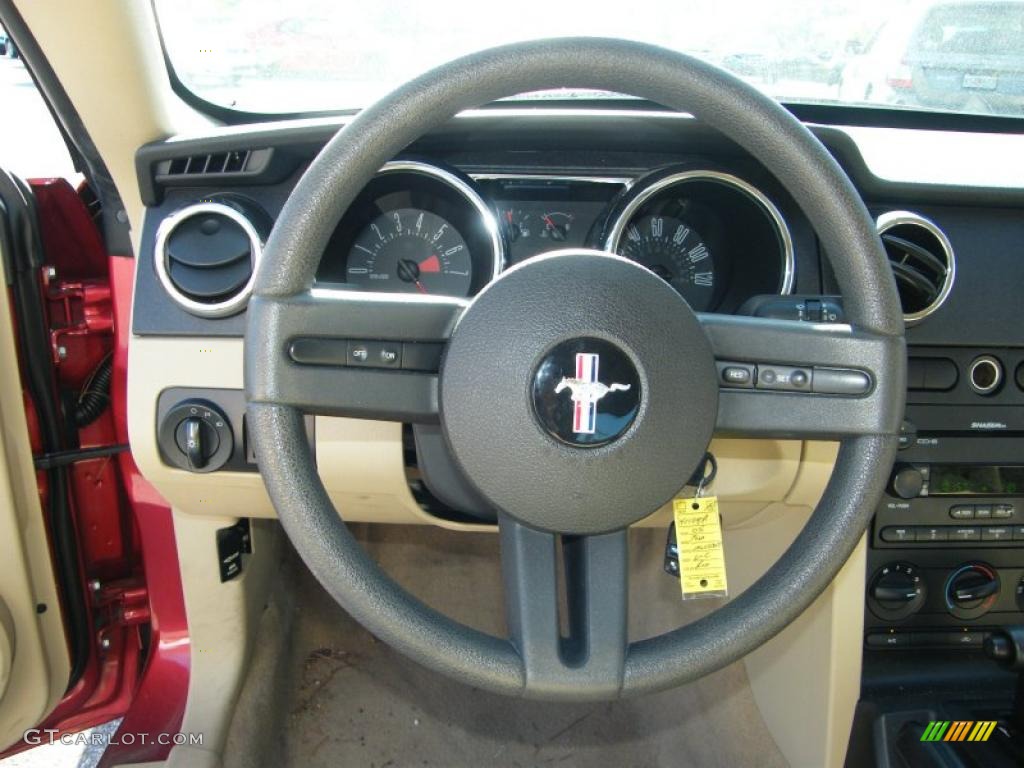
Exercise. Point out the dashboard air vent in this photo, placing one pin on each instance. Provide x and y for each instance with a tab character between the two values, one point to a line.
231	163
206	256
922	262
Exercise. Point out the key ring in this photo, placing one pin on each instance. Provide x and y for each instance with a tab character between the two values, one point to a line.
706	478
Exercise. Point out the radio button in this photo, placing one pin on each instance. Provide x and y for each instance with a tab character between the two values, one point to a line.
962	512
908	482
1018	533
896	534
983	511
1002	511
908	434
925	533
996	533
965	534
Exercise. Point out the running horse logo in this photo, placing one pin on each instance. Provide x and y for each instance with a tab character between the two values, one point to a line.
586	391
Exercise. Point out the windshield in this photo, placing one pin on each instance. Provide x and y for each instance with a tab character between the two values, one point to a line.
331	55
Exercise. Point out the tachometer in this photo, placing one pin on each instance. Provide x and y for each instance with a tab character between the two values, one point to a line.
410	250
675	251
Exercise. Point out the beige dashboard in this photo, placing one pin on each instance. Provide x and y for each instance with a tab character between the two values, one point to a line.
361	463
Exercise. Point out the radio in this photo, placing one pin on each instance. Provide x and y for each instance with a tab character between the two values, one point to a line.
946	504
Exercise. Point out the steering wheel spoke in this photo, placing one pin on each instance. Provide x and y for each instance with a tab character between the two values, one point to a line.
349	353
806	380
567	615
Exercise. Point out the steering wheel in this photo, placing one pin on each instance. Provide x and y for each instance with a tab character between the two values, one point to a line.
494	395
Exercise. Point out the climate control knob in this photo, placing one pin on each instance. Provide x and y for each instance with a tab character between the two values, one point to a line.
896	591
971	590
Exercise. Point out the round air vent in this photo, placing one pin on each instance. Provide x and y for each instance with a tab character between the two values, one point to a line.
206	256
922	262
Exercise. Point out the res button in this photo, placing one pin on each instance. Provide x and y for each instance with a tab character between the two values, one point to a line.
739	375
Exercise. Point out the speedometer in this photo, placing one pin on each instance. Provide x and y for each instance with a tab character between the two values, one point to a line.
410	250
714	237
676	252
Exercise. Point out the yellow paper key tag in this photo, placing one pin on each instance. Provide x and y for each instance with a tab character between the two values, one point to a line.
701	555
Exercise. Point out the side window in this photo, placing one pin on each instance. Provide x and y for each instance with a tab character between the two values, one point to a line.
31	146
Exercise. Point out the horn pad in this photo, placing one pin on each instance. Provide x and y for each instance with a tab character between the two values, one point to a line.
578	392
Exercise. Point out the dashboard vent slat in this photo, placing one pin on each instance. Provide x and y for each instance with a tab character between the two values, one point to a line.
922	262
236	161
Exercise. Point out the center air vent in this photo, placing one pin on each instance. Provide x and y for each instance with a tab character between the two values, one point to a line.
206	256
922	262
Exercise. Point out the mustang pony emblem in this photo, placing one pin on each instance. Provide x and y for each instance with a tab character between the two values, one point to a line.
586	391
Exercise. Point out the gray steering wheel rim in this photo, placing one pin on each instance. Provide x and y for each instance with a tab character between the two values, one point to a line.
756	123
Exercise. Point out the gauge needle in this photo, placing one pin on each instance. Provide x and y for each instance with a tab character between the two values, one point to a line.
430	264
557	232
419	287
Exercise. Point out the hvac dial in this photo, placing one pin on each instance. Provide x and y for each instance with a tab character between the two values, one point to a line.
410	250
676	252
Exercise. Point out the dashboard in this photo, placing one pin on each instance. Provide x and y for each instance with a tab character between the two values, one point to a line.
492	189
420	227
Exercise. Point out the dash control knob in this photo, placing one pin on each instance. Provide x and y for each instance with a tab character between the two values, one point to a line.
971	590
195	435
907	482
896	591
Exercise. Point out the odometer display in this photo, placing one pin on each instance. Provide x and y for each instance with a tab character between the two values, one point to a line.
409	250
676	252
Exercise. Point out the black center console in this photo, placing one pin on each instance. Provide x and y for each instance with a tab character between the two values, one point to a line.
947	547
946	566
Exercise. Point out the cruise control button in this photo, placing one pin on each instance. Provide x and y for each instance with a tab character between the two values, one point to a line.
962	512
358	353
799	379
390	355
737	376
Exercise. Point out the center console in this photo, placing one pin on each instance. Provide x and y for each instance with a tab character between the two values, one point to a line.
947	547
946	564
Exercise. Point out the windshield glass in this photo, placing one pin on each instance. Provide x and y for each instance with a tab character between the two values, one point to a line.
328	55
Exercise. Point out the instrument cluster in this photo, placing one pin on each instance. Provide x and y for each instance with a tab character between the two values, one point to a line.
423	228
